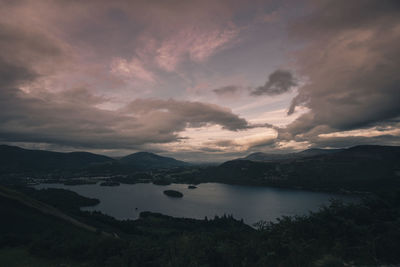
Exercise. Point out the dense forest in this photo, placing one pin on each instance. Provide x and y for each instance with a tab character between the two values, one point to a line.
358	234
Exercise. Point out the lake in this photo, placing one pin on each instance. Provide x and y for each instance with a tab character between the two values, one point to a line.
249	203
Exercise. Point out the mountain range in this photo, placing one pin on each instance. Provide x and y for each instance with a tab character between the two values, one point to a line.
16	159
363	167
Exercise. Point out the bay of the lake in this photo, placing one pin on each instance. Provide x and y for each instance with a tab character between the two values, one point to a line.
250	203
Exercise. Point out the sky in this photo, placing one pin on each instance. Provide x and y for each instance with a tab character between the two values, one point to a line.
199	80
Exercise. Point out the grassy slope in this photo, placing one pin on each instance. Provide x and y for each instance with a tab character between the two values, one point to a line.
42	207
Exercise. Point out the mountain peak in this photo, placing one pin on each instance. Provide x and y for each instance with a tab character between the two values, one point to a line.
148	160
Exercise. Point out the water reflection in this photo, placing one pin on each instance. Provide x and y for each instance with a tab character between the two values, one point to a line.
244	202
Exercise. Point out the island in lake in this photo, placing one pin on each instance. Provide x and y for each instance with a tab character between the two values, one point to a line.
173	193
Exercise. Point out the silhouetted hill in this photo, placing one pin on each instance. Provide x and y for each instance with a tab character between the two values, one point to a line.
368	168
146	160
17	159
370	152
260	156
311	152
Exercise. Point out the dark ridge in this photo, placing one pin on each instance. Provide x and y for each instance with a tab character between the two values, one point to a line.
311	152
146	160
18	159
360	168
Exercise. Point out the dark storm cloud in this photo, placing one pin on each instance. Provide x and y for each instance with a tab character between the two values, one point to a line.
352	62
279	82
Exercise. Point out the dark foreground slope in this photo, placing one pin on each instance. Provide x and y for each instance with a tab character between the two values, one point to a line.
364	234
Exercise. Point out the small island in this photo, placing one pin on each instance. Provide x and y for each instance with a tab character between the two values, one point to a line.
192	187
173	193
109	183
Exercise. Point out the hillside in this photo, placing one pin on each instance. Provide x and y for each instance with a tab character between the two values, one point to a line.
146	160
360	168
16	159
260	156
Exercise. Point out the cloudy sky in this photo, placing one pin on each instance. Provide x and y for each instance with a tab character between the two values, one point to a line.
199	80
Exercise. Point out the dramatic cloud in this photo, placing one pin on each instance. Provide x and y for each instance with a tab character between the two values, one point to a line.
57	119
177	115
352	63
279	82
41	104
116	74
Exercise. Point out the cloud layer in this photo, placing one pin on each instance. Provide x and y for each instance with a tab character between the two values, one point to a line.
351	63
117	74
58	120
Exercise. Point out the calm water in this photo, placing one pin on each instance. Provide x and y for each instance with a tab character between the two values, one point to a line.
244	202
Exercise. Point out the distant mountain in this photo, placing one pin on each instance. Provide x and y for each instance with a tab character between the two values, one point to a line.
259	156
16	159
146	161
311	152
372	152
